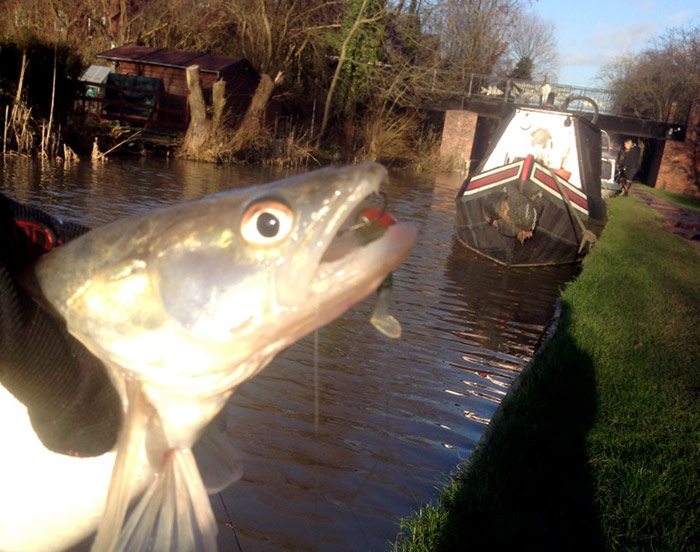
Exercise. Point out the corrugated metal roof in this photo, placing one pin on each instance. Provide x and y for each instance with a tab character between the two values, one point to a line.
95	74
209	63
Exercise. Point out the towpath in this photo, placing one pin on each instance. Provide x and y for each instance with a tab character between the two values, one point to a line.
676	219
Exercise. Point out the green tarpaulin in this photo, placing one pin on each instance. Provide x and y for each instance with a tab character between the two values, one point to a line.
131	95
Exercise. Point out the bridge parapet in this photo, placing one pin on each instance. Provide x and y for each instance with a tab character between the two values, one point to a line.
448	91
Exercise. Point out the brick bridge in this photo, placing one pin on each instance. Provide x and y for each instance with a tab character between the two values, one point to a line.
472	112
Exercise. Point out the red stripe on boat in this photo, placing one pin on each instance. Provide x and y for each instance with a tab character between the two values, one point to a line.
549	181
480	182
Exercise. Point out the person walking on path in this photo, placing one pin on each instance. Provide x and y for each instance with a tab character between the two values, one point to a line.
628	165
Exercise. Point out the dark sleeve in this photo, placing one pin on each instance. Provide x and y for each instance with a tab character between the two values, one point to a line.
26	233
632	163
72	404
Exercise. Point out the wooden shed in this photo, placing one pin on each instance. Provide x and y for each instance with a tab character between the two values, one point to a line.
169	67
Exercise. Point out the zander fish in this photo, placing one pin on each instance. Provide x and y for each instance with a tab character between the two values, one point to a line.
183	305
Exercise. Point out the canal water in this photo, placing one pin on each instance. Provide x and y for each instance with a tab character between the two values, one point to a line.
346	431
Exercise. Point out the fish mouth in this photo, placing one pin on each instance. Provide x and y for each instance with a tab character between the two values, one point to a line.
339	259
367	245
366	223
349	254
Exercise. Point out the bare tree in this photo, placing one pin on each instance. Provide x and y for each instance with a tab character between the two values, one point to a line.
533	38
473	34
87	26
662	81
277	36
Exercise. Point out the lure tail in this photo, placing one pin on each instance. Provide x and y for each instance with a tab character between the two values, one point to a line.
381	319
174	514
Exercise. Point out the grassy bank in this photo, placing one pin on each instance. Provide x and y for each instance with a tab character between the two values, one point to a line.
599	447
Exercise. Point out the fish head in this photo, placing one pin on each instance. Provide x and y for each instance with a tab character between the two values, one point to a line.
201	295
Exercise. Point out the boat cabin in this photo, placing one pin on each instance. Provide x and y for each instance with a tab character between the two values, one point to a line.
551	138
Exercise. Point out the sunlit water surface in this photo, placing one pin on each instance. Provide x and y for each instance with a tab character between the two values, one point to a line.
394	417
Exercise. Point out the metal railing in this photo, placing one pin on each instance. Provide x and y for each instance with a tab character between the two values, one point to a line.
445	86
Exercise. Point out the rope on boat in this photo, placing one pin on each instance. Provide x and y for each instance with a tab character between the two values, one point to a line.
587	236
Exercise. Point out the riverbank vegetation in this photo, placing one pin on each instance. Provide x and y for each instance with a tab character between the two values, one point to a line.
38	84
358	75
597	449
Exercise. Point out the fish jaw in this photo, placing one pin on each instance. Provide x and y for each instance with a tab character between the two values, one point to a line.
342	283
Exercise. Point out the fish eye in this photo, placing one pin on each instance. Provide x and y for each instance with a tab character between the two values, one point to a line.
266	222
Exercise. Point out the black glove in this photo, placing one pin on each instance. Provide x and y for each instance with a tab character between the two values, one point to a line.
72	404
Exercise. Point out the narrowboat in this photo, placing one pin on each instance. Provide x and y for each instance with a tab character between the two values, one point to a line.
535	198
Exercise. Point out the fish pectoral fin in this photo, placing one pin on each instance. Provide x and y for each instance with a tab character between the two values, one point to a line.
174	513
218	460
126	461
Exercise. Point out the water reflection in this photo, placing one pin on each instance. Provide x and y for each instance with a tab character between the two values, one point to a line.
392	415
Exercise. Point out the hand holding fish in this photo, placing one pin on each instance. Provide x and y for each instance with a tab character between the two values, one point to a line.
72	405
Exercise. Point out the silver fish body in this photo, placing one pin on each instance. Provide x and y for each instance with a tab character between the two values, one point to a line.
183	305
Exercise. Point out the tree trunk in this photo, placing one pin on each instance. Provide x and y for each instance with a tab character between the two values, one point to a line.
336	75
252	120
218	102
206	138
199	128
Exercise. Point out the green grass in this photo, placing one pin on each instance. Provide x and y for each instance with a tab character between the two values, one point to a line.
599	447
681	200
